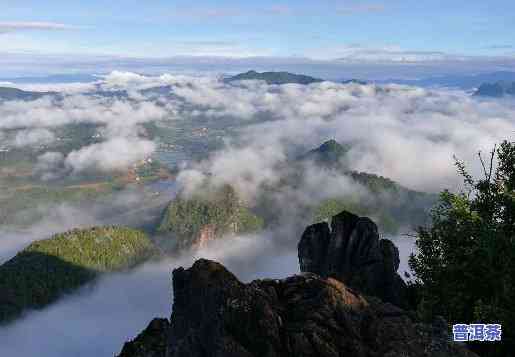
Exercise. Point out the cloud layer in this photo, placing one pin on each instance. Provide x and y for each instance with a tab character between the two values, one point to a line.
405	133
408	134
102	317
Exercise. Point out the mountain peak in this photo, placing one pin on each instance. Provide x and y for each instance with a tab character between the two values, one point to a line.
274	77
329	153
306	315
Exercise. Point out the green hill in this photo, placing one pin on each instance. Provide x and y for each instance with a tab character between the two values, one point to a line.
330	153
389	203
47	269
274	77
192	221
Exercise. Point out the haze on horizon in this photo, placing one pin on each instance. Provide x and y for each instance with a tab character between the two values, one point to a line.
373	39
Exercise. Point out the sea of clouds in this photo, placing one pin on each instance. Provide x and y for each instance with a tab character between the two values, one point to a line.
405	133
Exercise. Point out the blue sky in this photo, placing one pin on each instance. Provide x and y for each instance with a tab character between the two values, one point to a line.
394	30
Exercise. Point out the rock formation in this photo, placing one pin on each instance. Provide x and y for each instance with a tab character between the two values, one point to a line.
215	315
352	252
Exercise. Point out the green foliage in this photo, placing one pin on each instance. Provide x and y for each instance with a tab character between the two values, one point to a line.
17	207
101	249
389	204
247	221
465	266
221	209
329	154
47	269
149	170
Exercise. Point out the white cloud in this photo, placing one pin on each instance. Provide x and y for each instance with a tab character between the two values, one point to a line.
33	137
50	166
356	8
11	26
405	133
115	154
99	319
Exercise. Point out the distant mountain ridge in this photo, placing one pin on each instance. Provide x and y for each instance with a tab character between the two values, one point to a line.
454	81
53	78
274	77
9	93
497	89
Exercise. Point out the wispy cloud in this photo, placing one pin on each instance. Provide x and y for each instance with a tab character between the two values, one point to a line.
225	12
360	8
276	10
500	47
12	26
379	54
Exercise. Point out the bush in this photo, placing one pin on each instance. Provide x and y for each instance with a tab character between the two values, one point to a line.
465	266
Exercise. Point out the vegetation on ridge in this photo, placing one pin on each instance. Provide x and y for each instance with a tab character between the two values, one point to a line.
220	209
47	269
465	264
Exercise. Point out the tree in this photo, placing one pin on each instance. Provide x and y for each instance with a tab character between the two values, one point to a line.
465	264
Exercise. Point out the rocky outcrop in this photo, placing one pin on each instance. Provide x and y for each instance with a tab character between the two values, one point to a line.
351	251
216	315
152	342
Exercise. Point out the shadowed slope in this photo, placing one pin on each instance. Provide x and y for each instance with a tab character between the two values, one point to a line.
47	269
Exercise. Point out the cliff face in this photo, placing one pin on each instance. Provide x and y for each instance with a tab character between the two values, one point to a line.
351	251
315	314
216	315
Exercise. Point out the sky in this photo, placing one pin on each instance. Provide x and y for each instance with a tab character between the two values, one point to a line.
398	31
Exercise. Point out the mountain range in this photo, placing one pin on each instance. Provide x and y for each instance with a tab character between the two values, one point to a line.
8	93
466	82
497	90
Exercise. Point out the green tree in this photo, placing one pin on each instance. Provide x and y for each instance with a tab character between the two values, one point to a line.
465	264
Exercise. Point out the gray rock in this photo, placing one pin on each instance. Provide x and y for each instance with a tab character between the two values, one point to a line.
216	315
352	252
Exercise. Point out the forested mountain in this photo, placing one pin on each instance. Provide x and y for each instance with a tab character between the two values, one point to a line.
47	269
274	77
